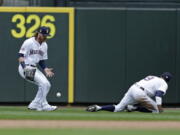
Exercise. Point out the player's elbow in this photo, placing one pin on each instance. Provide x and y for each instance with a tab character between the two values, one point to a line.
21	57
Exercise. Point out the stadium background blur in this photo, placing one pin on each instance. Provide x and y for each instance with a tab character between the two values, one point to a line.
92	3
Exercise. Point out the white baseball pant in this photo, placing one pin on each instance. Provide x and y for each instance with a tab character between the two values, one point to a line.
133	96
43	86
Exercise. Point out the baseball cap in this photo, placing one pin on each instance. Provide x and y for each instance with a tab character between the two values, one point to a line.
166	76
44	30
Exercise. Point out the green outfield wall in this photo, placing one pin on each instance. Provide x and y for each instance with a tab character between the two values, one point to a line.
96	53
117	47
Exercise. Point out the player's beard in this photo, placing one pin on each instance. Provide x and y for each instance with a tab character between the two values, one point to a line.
41	39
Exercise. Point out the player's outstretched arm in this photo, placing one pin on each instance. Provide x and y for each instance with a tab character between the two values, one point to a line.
48	71
160	108
158	97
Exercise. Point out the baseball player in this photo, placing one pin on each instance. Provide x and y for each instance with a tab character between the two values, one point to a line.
33	52
143	96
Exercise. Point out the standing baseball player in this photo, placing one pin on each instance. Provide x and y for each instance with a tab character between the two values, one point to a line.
33	52
140	96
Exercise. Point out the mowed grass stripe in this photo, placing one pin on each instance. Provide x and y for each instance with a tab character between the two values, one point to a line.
86	132
10	112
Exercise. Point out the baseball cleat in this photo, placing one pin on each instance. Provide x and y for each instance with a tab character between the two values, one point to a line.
35	106
49	108
93	108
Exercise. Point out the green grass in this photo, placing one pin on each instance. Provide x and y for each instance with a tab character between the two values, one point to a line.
68	113
86	132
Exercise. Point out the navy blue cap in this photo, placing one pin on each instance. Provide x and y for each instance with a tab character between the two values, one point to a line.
166	76
44	30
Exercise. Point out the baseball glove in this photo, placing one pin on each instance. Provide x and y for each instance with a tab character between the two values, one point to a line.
29	73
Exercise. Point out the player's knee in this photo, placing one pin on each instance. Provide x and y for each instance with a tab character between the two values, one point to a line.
118	108
46	84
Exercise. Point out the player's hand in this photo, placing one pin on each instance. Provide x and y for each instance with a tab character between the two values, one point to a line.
160	108
48	72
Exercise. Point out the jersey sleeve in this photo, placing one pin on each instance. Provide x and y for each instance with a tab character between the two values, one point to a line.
24	48
45	56
163	87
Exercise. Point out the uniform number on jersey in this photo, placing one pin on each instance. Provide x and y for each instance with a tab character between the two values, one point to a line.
148	78
20	31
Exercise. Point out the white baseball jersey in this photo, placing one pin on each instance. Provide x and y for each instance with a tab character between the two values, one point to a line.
153	83
33	51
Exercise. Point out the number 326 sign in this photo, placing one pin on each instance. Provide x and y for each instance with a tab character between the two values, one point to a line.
21	21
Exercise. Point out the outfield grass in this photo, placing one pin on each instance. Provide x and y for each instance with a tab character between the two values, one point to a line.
11	112
72	113
86	132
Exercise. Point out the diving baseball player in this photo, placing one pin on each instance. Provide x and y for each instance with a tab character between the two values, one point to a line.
140	96
33	52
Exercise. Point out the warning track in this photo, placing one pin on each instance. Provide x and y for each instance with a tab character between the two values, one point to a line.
89	124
